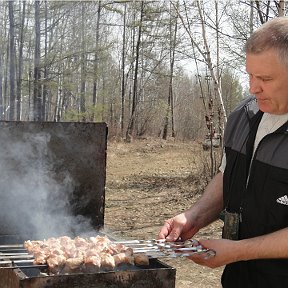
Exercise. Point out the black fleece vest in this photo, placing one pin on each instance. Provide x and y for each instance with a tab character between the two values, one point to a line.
261	199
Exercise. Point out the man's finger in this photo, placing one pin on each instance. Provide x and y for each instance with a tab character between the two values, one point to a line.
174	235
165	230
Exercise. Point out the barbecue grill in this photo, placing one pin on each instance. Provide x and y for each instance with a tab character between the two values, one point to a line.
58	169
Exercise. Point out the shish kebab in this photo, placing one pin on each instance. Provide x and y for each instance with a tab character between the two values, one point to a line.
95	253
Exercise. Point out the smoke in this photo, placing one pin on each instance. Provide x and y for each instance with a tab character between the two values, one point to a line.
34	192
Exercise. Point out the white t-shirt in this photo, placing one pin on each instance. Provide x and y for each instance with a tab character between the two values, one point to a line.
268	124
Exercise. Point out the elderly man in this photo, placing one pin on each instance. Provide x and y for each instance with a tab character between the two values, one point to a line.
251	188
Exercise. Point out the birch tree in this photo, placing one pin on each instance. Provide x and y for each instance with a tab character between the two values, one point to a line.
124	62
20	61
123	78
12	57
37	97
173	27
131	124
96	59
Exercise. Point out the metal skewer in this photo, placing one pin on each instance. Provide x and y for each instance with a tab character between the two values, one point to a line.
19	256
153	248
11	246
17	264
13	262
13	253
40	266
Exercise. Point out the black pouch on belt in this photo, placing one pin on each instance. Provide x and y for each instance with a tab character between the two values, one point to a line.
231	225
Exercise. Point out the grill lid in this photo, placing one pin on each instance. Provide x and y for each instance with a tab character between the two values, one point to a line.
52	178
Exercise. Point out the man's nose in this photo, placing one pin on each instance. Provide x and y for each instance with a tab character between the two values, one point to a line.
255	86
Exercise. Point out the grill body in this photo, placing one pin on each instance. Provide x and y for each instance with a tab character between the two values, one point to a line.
157	275
77	150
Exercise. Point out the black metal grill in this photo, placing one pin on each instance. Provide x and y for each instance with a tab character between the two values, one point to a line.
75	151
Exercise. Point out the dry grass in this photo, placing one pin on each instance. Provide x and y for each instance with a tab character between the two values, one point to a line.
150	181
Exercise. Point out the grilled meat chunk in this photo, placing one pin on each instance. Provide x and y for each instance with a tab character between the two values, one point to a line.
66	255
141	259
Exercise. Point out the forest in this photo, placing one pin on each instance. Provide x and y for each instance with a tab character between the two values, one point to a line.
146	68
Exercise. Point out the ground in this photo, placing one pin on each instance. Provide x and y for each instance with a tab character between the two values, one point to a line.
149	181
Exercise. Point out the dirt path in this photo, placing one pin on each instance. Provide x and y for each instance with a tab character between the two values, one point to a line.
148	182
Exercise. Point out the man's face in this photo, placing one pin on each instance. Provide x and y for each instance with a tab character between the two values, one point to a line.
268	79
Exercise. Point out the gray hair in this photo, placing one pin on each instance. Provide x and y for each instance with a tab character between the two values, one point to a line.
271	35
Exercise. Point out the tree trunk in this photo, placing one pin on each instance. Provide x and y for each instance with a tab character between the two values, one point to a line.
123	71
251	20
170	102
20	63
1	90
130	128
96	60
37	101
12	62
45	73
5	88
83	66
281	8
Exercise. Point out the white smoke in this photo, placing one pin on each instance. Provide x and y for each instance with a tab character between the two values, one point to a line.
34	196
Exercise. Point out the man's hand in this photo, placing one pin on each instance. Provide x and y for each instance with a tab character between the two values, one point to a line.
227	251
178	227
